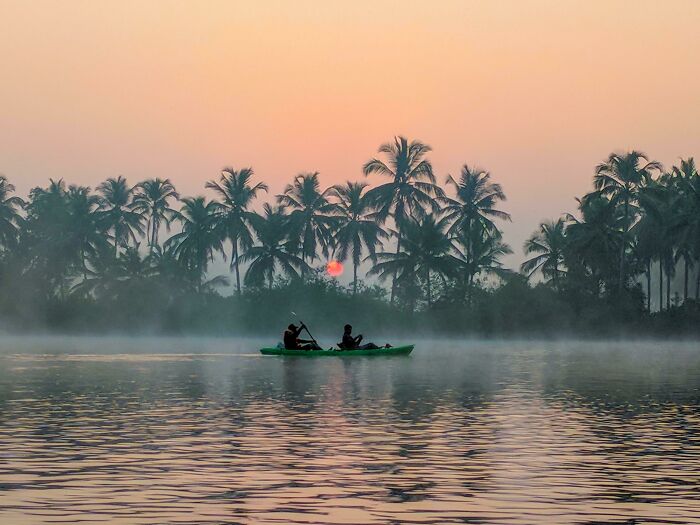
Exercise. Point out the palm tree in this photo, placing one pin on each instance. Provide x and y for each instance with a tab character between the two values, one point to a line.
356	232
10	217
62	230
47	239
658	200
620	177
272	250
111	276
488	249
426	249
115	205
476	199
152	200
169	271
47	206
199	240
548	244
236	195
686	180
593	240
311	221
478	251
647	234
472	212
669	218
410	192
488	254
86	233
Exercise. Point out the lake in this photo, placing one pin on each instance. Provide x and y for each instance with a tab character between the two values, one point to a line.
143	431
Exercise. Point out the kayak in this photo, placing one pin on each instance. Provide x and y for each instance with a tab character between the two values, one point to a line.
394	350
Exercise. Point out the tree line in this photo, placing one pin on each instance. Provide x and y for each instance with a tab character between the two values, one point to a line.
437	247
638	215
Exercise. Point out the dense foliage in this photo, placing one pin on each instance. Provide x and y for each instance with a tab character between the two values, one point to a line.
73	259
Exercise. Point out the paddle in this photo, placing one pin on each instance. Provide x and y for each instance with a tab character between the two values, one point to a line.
307	330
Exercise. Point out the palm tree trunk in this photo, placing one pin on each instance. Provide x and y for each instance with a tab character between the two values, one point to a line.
685	279
234	260
354	278
697	282
649	285
470	287
467	279
393	280
622	248
661	285
154	233
116	241
150	241
147	233
156	230
668	287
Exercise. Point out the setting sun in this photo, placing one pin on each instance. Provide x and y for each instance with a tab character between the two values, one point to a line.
334	268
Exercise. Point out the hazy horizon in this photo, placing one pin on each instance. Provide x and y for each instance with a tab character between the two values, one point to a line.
537	93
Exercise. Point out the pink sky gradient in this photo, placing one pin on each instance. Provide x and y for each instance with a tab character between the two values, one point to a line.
537	92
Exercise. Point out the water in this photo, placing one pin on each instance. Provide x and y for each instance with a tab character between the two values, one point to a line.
206	431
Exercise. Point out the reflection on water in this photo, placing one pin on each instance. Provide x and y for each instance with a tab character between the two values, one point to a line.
166	431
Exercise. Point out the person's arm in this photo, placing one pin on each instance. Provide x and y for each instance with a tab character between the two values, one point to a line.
301	327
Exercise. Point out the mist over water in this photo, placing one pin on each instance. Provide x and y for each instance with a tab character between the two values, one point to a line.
144	431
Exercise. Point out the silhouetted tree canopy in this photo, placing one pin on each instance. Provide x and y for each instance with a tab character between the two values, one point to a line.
76	259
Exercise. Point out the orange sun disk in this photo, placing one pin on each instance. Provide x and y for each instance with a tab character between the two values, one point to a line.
334	268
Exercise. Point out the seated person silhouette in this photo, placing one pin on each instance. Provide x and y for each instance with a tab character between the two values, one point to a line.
353	343
292	341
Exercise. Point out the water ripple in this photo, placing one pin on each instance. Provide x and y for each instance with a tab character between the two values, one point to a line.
511	433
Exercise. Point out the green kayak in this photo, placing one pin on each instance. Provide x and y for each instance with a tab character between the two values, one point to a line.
394	350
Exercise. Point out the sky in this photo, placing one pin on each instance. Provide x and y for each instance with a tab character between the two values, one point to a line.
536	92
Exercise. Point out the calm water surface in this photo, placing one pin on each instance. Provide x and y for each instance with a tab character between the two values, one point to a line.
142	431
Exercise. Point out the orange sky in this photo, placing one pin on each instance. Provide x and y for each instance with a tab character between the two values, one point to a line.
537	92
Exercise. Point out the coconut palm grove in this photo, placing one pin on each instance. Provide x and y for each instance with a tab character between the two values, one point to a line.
424	251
